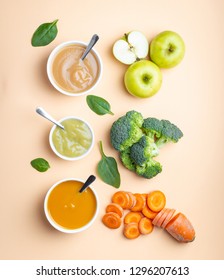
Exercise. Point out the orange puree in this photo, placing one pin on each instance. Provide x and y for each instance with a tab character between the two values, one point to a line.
69	208
73	74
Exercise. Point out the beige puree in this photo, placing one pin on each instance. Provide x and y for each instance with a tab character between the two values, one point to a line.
73	74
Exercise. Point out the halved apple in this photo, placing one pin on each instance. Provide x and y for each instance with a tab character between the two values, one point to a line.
132	47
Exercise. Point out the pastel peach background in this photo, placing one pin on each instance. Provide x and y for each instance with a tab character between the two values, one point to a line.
191	96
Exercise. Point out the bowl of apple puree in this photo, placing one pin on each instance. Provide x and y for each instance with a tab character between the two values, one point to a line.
68	73
73	142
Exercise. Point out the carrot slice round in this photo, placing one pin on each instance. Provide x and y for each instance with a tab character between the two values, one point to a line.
181	228
116	208
168	218
145	225
121	198
163	217
140	203
147	212
156	200
131	230
111	220
157	217
132	200
132	217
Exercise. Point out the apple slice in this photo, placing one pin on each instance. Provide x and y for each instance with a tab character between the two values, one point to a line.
130	48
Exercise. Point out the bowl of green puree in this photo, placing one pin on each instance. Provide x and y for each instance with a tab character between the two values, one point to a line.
73	142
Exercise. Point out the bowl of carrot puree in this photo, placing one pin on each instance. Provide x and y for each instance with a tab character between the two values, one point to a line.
68	210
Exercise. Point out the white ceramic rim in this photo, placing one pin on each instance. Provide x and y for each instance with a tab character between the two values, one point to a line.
58	227
71	158
49	64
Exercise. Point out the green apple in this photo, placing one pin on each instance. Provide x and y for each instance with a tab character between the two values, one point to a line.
167	49
143	79
131	47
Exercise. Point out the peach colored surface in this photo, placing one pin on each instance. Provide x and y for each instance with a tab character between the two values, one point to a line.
191	96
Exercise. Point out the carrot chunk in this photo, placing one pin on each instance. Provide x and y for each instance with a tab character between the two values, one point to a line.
132	217
156	201
181	228
131	230
111	220
116	208
140	203
168	218
147	212
121	198
145	225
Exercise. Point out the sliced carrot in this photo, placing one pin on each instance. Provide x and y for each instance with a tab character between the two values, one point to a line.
132	217
111	220
145	225
140	202
145	195
163	217
116	208
121	198
181	228
156	200
168	218
132	200
131	230
157	217
147	212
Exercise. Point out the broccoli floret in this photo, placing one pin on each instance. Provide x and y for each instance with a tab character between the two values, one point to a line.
169	133
126	130
141	151
152	127
135	117
126	159
150	169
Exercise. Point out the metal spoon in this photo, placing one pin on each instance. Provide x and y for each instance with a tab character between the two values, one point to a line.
44	114
89	181
92	42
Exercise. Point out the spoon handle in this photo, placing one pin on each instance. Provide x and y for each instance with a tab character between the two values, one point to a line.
92	42
87	183
44	114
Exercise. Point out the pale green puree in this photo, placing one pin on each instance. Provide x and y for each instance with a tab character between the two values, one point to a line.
75	140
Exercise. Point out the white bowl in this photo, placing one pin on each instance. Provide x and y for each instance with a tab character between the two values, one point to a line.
63	156
51	59
60	228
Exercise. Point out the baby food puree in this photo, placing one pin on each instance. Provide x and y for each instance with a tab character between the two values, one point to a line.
73	74
69	208
75	140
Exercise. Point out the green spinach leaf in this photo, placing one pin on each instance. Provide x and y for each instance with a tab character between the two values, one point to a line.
107	169
40	164
98	105
45	34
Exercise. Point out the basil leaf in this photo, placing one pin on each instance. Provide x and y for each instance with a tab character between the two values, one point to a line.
40	164
107	170
44	34
98	105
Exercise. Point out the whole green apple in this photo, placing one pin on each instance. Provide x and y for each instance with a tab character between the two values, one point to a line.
143	79
167	49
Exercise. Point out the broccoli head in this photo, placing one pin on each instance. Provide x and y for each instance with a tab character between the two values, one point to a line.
139	140
169	133
126	130
150	169
141	151
126	159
